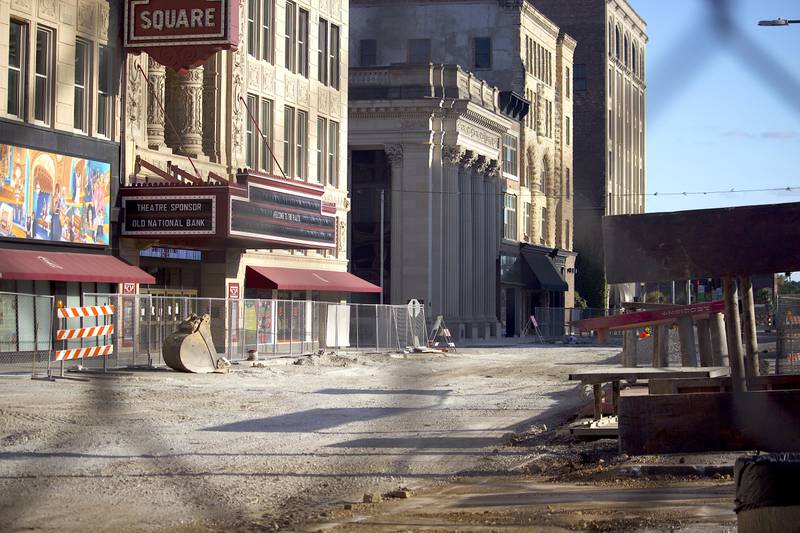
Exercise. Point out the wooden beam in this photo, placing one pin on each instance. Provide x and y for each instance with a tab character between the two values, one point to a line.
734	334
693	423
749	316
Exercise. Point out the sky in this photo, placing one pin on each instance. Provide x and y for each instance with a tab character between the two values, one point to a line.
723	107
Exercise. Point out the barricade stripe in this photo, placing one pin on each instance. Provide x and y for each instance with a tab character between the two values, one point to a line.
84	353
95	310
82	333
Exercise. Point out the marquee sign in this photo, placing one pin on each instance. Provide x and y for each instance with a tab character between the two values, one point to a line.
170	215
255	211
181	33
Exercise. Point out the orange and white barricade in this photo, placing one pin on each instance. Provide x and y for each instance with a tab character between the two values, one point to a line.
104	331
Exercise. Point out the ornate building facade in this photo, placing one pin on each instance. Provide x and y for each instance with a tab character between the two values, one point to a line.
275	109
610	92
511	46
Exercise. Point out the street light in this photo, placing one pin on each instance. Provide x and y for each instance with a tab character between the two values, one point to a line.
777	22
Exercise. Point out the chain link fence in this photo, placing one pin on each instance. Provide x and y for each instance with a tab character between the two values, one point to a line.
556	322
26	333
787	318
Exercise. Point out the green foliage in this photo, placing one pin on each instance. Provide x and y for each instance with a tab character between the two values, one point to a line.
590	282
655	297
763	296
787	285
580	301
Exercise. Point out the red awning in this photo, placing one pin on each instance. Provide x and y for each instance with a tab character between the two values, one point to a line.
63	266
302	279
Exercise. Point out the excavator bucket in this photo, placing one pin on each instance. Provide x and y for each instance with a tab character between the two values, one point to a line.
190	348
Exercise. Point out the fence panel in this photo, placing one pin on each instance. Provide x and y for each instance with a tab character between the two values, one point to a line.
26	333
787	359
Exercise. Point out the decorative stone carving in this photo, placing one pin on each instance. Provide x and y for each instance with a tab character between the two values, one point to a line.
268	79
452	155
23	5
211	116
394	153
478	135
66	14
290	89
468	158
237	75
481	164
335	104
103	23
493	169
253	74
155	99
134	94
86	16
47	9
186	110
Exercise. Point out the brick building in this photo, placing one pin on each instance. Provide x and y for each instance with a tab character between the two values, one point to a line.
609	108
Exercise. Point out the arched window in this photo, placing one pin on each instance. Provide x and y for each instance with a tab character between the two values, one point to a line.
625	51
610	39
617	47
641	64
634	55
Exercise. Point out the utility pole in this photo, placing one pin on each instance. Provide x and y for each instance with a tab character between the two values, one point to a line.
380	267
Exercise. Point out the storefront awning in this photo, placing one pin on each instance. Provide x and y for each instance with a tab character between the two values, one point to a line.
302	279
67	266
544	272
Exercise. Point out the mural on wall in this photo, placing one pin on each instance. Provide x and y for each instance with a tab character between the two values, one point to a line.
53	197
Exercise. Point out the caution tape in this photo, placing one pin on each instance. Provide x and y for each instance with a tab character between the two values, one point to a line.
84	353
77	312
82	333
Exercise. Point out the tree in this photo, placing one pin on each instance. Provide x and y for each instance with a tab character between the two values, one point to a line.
787	286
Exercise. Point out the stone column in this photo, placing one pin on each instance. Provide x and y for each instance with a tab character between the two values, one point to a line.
704	343
750	335
688	347
734	332
451	240
394	153
212	109
719	340
155	99
479	232
467	290
185	111
493	243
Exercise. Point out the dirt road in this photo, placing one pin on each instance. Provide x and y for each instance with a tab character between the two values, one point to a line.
266	447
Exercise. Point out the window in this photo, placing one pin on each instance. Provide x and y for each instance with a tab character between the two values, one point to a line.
17	61
567	82
543	178
334	53
322	52
567	131
43	75
580	77
568	183
104	102
251	139
625	51
510	217
483	52
617	47
510	156
302	43
526	222
289	55
368	52
634	54
252	28
322	151
267	24
266	141
301	163
333	154
288	140
566	235
543	229
82	72
419	51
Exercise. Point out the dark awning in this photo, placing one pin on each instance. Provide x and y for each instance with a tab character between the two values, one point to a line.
68	266
303	279
545	276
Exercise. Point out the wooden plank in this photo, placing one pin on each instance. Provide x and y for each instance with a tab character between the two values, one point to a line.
608	374
693	423
721	384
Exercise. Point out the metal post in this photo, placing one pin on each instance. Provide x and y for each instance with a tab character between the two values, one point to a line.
735	355
35	337
291	329
380	266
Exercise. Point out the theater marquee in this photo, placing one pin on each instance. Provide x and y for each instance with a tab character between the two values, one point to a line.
181	33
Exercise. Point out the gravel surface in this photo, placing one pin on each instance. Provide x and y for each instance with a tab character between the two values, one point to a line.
269	447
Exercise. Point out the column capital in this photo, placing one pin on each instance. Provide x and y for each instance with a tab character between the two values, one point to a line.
394	153
452	155
493	169
481	164
468	159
